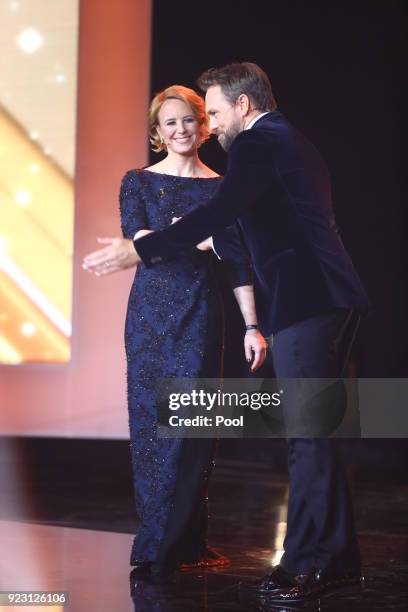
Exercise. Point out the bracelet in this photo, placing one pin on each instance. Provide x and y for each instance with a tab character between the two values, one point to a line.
251	327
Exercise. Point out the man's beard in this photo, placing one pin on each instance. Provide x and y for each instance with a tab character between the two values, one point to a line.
227	138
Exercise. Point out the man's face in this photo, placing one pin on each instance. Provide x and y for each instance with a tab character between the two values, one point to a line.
225	120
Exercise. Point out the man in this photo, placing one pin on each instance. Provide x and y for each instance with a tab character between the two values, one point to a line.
307	294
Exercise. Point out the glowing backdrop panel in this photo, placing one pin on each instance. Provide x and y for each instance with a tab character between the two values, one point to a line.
70	385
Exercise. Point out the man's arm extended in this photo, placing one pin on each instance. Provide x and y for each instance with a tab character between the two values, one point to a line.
250	171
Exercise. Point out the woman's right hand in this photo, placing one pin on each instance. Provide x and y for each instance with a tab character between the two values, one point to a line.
116	254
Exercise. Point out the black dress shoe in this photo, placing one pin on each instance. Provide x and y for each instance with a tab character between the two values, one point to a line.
141	568
317	582
279	580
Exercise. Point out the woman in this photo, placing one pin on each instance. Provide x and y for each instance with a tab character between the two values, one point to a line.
173	329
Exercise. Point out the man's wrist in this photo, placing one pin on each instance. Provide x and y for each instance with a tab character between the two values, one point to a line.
251	328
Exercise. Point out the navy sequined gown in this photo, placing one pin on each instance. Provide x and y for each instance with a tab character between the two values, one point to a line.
173	329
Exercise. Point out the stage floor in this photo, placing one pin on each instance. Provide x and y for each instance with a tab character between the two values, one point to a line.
92	566
248	513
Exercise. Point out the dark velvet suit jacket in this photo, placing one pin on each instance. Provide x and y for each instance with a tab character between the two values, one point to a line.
277	186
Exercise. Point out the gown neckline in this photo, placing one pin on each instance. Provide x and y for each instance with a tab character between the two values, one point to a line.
176	176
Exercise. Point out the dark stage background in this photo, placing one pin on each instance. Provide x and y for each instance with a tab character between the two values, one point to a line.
336	71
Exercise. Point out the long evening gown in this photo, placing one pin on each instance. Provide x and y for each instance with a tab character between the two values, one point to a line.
173	329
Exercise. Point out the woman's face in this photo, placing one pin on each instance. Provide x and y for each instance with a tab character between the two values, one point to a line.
178	126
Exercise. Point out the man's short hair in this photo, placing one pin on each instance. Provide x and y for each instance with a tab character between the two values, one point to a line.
241	78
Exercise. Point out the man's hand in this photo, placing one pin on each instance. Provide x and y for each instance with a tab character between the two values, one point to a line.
255	348
205	245
119	254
